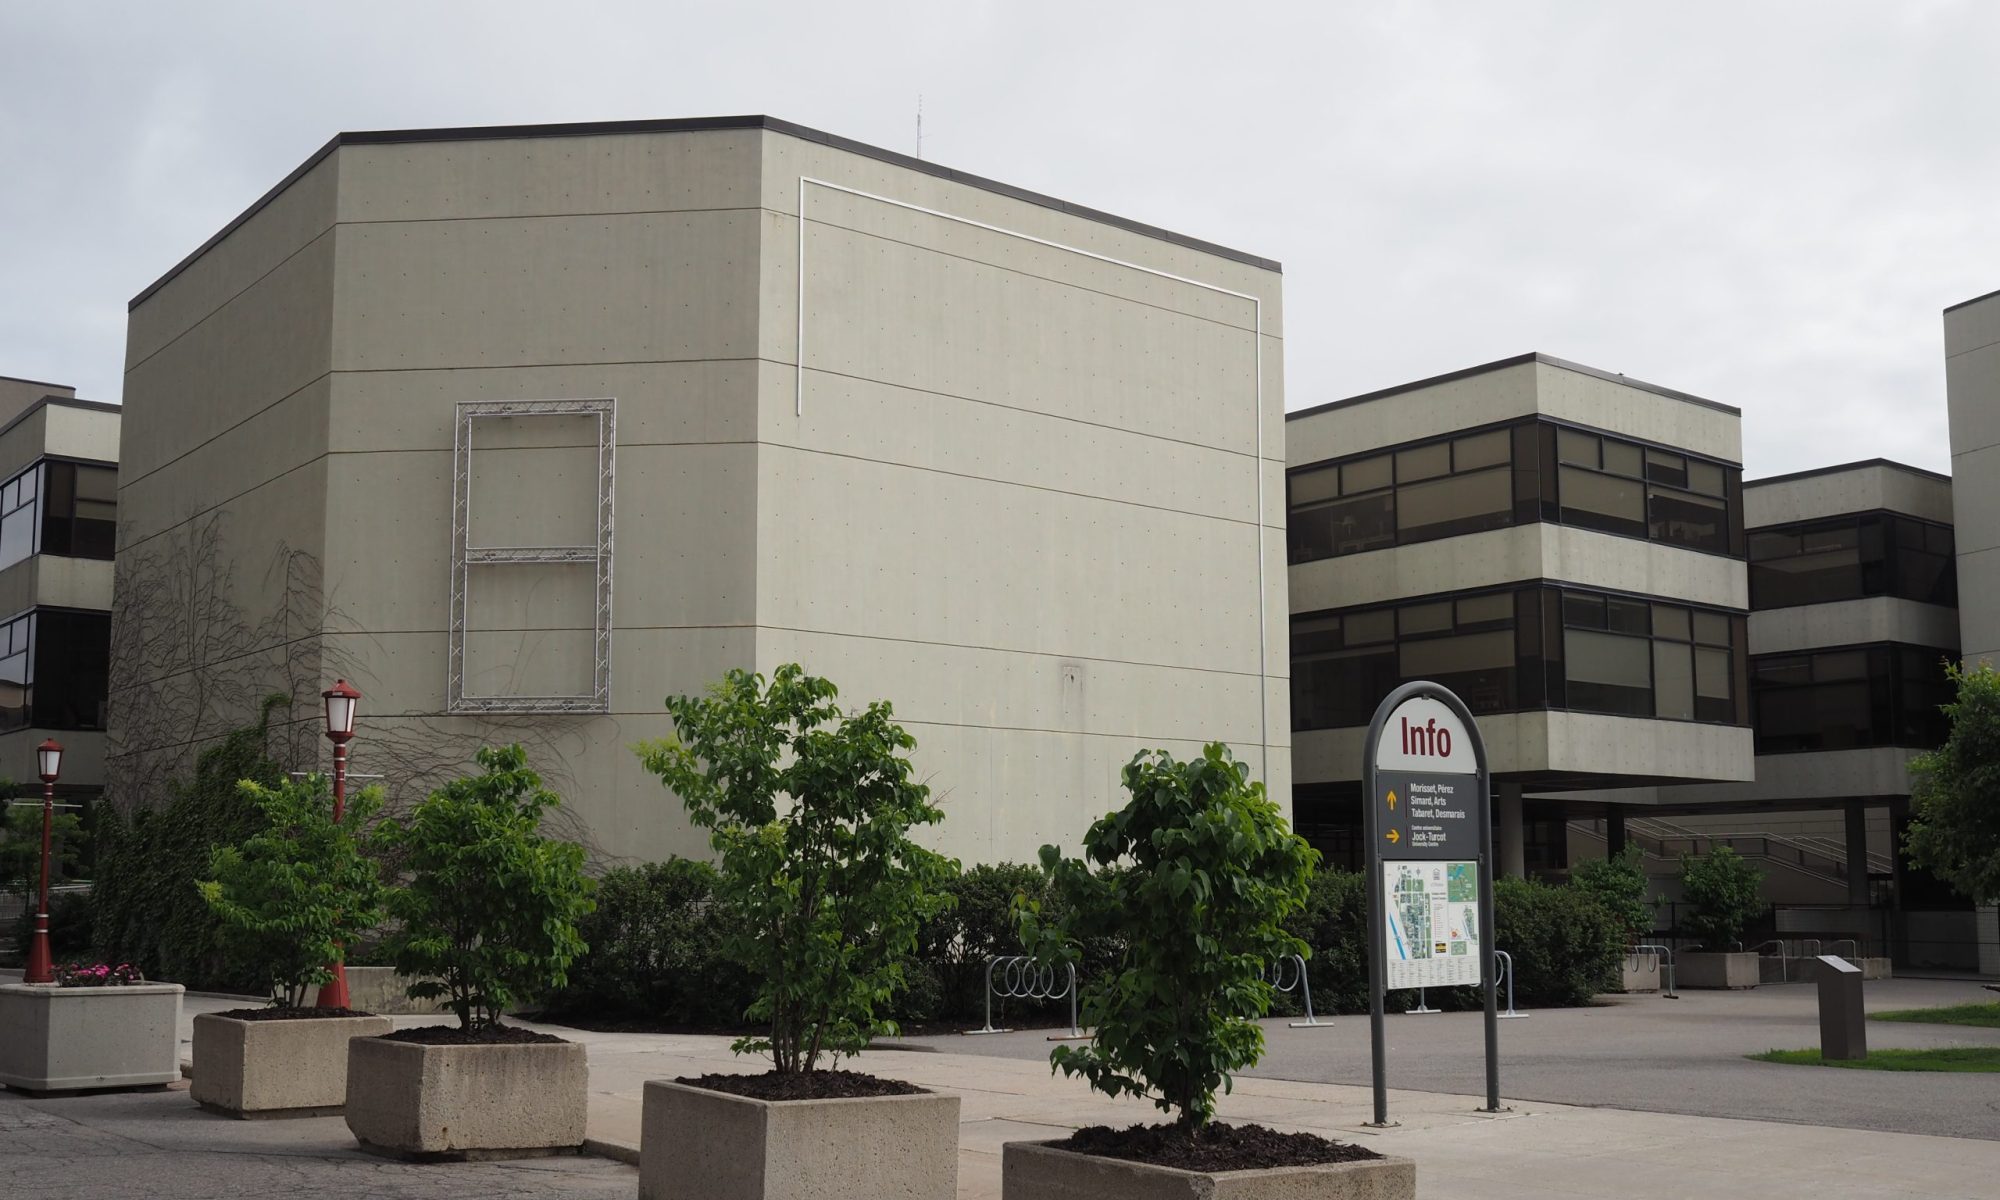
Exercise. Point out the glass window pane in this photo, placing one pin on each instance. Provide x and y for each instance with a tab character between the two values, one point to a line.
1480	450
1711	628
1583	610
1424	462
1320	484
17	536
1622	458
1670	622
1685	519
1705	478
1367	475
1783	669
1608	672
1314	635
1478	666
1346	526
1663	467
10	496
1766	545
1604	502
1711	673
1840	664
1424	618
1575	446
1365	628
1478	610
28	479
1673	681
1838	537
1456	504
1627	616
96	483
1937	539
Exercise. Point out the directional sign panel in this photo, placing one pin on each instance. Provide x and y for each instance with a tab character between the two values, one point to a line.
1427	815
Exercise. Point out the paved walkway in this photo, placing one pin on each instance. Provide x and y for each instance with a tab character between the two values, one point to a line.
159	1145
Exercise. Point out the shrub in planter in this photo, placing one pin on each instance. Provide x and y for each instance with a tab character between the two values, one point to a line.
1618	883
1724	892
102	1026
1565	944
1213	872
488	916
809	810
291	897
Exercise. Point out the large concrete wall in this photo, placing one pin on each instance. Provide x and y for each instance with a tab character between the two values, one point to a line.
1041	547
1861	487
1972	386
1018	493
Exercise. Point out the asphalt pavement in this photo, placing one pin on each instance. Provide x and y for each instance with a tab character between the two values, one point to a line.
1646	1053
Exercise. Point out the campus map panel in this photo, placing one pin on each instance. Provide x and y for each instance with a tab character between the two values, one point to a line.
1433	923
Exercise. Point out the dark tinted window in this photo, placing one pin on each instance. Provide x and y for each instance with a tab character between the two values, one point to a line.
1848	558
54	670
1885	694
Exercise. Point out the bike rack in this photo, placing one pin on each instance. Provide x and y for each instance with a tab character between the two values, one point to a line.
1666	957
1276	976
1784	960
1502	954
1022	978
1853	945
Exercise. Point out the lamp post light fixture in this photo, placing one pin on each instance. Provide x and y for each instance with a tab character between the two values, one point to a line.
41	965
341	700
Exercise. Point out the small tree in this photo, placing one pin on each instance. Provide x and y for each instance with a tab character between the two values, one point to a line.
1726	892
826	889
293	895
1955	791
1213	872
1618	882
490	913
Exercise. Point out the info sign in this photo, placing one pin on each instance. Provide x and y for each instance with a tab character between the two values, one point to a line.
1429	829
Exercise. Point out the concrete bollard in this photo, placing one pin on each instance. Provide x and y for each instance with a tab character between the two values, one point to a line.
1843	1026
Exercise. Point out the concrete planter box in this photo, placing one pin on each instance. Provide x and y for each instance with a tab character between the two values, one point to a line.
1735	970
1640	973
1039	1171
275	1068
697	1144
88	1039
457	1103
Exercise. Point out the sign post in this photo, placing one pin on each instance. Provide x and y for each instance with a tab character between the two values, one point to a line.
1428	822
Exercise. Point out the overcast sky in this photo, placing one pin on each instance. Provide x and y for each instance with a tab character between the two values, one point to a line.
1762	203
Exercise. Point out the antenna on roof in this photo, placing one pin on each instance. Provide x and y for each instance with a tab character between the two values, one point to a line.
920	124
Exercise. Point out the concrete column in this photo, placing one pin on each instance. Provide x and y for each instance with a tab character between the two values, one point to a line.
1614	833
1857	855
1512	852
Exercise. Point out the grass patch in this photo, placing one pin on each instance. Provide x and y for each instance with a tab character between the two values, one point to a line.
1985	1016
1944	1058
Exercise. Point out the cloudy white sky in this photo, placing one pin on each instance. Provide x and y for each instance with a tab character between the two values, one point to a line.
1763	203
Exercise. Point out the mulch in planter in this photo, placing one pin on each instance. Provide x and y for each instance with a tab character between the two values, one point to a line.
812	1085
452	1035
268	1013
1219	1147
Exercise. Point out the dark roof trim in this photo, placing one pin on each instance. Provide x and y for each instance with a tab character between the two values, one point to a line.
394	137
1974	300
60	402
1546	360
1852	466
36	382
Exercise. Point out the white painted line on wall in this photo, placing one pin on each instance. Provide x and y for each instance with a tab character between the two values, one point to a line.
1257	415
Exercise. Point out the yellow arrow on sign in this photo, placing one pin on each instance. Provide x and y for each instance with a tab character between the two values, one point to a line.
1392	801
1393	837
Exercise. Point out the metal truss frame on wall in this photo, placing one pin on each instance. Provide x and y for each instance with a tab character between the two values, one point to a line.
465	555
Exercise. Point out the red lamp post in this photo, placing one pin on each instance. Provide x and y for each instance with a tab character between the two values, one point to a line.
41	966
340	699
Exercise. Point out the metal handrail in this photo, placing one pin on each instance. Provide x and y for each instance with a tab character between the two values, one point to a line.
1784	960
1024	978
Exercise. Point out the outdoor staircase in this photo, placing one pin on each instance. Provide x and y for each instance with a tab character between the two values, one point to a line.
1822	858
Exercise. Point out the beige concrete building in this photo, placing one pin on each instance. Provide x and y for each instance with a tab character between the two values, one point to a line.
1972	389
1561	546
509	427
58	515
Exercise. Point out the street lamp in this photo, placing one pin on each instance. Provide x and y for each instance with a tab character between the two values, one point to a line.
341	700
41	966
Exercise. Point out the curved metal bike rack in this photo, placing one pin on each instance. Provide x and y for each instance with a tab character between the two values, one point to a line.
1022	978
1508	966
1292	967
1666	956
